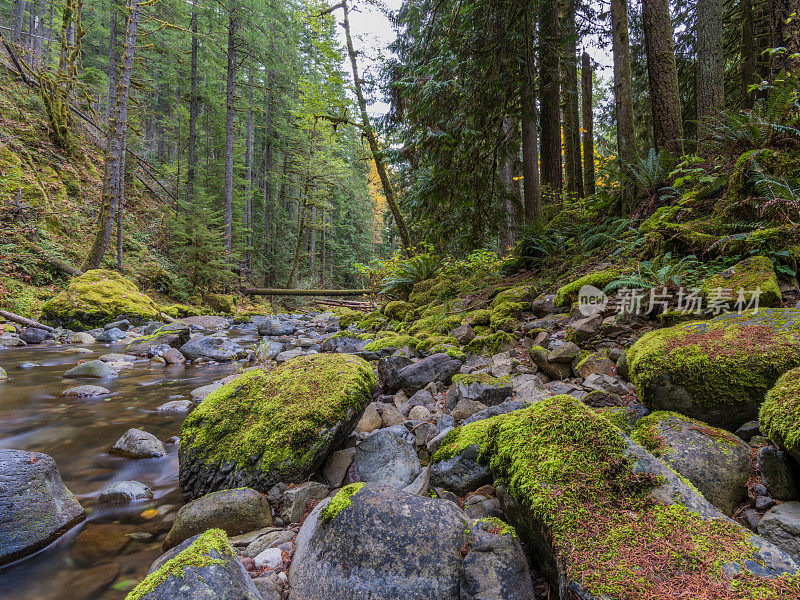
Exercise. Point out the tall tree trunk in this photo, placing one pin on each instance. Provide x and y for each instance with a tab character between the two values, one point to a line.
588	124
550	113
570	113
623	97
530	143
710	68
194	110
312	250
37	29
663	76
121	209
113	57
230	125
784	18
17	21
114	170
510	212
267	173
248	189
748	65
369	132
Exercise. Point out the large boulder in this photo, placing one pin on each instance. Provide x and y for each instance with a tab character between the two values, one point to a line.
716	371
437	367
781	526
234	511
204	568
35	507
387	457
373	541
604	518
211	347
754	276
716	462
265	427
97	297
481	388
779	417
276	327
173	335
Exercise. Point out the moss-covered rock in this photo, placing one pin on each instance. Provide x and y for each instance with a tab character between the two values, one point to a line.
780	414
751	277
398	310
96	298
569	293
224	303
717	371
265	427
491	343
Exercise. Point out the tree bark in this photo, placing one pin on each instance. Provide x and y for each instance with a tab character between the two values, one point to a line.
372	139
570	114
663	76
509	221
248	181
113	57
17	21
748	64
588	124
550	113
230	125
623	97
784	20
194	110
267	174
114	170
710	68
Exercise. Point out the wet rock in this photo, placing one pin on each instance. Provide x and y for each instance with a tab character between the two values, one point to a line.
781	526
335	468
599	399
212	348
126	492
597	363
274	328
99	543
296	499
122	325
779	473
344	344
173	335
268	350
390	415
91	582
234	511
3	374
172	356
500	409
85	391
387	457
565	353
175	407
35	506
32	335
437	367
95	369
462	473
111	335
764	503
136	443
206	568
82	338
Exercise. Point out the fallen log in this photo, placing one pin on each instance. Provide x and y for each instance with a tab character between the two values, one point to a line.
23	321
362	306
56	263
278	292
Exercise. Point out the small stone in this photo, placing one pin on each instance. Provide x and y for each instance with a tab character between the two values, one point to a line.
463	334
172	356
125	492
419	413
335	469
78	351
764	503
296	499
85	391
779	473
466	408
111	335
565	353
271	558
93	369
370	420
175	407
748	431
136	443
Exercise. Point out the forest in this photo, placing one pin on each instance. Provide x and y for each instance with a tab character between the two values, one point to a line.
399	299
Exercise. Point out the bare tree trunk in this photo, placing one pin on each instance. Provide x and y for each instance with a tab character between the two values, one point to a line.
267	186
248	161
37	29
313	241
510	212
121	211
324	250
114	170
784	33
623	96
113	57
710	68
663	76
530	144
230	125
550	114
369	133
569	92
194	111
748	66
17	21
588	124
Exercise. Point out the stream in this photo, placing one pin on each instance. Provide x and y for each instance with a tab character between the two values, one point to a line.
109	553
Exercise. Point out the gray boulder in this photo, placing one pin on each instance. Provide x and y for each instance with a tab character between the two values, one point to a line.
387	457
173	335
33	335
781	526
268	349
35	507
234	511
124	492
779	473
202	568
136	443
388	369
480	388
296	499
462	473
122	324
175	407
274	327
344	345
212	348
500	409
111	335
94	369
385	544
437	367
85	391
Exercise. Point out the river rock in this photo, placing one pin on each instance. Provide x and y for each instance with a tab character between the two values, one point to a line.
111	335
780	473
85	391
96	369
270	327
82	338
136	443
3	374
437	367
124	492
212	348
234	511
781	526
481	388
370	420
35	506
343	344
387	457
296	499
264	427
268	350
173	335
175	407
337	465
461	473
122	325
384	543
33	335
205	568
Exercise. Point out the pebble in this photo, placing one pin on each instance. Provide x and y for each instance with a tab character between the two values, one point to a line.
85	391
271	558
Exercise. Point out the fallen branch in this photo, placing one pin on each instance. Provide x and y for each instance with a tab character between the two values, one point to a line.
56	263
23	321
278	292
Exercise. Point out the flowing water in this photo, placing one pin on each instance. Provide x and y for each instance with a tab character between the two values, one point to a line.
111	551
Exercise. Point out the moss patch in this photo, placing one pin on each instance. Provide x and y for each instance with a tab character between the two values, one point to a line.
780	414
98	297
490	344
744	279
339	502
278	417
600	279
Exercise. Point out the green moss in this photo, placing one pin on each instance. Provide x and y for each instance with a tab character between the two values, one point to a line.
750	275
196	556
372	321
728	360
179	311
483	378
496	526
465	436
655	223
780	414
398	310
392	342
600	279
278	416
347	316
98	297
504	316
490	344
224	303
621	417
3	374
339	502
478	317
